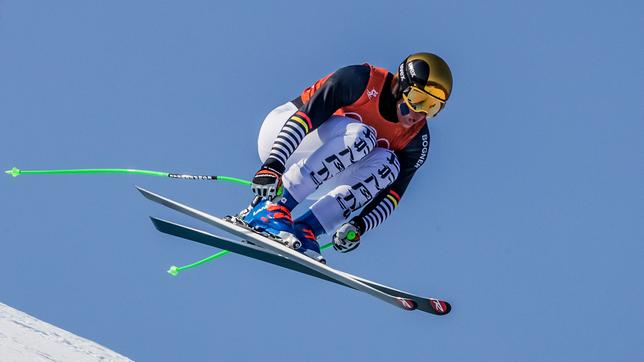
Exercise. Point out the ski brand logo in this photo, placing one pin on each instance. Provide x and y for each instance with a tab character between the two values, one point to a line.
437	305
407	303
372	93
190	177
259	210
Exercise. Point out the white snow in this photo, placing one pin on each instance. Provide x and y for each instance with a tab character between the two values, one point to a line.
25	338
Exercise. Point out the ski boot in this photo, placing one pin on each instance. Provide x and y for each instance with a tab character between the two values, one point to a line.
271	220
310	246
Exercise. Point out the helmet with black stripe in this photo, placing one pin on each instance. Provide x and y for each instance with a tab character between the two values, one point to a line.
424	82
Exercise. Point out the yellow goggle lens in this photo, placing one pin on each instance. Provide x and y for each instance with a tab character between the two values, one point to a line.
437	92
420	101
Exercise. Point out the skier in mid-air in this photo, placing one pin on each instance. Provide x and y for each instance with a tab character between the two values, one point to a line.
362	127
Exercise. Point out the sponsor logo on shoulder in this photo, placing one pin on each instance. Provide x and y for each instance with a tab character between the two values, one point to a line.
423	151
373	93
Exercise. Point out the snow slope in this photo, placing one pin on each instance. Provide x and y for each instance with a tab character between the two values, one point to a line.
25	338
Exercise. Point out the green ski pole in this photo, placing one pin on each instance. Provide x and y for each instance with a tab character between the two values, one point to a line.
174	270
15	172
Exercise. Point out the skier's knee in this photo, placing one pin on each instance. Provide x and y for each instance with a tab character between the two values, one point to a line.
386	161
361	136
271	126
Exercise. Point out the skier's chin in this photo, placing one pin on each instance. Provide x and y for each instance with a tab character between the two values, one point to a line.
407	122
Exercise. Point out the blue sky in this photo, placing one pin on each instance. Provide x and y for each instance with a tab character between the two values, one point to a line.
528	216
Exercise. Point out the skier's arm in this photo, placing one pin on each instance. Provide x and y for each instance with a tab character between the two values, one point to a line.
411	158
340	89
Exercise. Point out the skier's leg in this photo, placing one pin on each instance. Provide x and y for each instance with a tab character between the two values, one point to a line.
265	215
375	172
271	127
334	127
337	144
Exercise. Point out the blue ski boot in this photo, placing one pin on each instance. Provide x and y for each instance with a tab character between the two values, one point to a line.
274	221
310	246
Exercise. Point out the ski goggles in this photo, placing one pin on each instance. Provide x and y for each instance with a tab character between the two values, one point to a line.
422	102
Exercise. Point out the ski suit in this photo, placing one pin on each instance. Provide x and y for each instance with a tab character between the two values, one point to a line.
343	129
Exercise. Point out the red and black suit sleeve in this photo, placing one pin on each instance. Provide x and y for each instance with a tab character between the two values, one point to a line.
342	88
411	158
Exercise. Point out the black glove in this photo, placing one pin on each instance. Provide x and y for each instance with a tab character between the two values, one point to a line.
267	182
347	237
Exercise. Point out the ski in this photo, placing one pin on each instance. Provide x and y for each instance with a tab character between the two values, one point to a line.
403	303
245	248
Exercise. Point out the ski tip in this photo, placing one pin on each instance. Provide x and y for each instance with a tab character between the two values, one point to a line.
441	307
13	172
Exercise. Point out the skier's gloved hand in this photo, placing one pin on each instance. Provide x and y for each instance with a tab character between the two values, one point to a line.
346	238
267	182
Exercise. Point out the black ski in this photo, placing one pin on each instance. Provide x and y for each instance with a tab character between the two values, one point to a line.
429	305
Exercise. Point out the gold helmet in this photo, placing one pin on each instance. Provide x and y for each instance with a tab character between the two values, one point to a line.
425	82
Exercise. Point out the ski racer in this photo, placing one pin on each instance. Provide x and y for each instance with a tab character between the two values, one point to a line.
362	128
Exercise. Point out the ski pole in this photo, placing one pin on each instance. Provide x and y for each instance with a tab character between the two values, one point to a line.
15	172
174	270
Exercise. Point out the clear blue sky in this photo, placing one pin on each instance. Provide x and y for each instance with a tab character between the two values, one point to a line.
528	216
